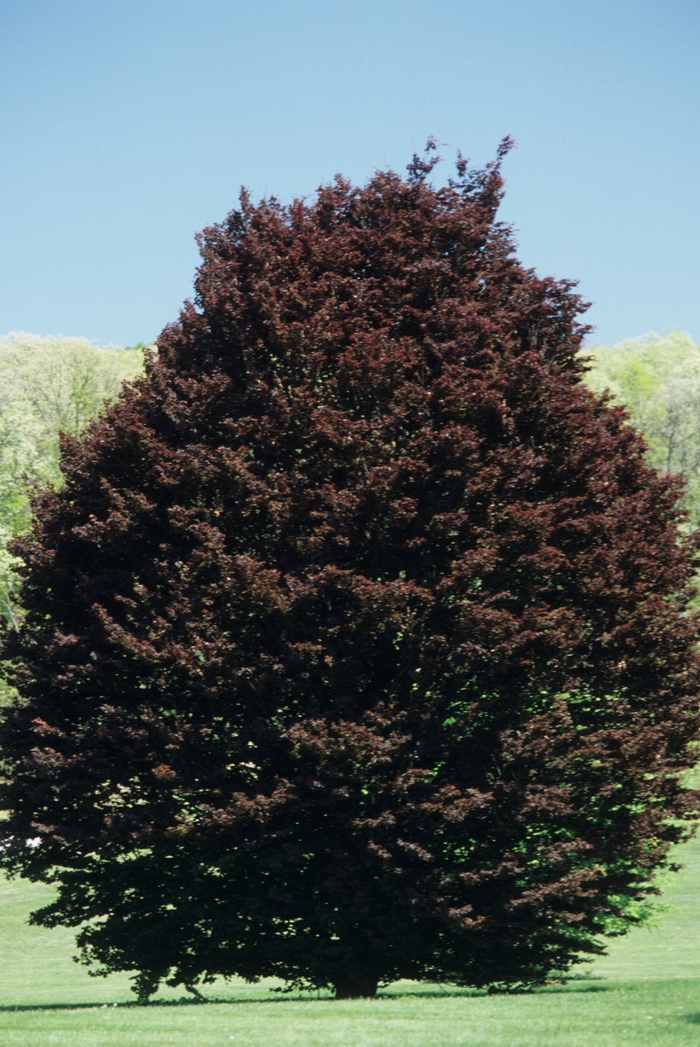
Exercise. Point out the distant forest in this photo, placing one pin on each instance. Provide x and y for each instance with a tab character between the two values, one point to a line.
657	378
49	385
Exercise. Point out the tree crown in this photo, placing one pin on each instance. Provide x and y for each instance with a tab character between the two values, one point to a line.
357	641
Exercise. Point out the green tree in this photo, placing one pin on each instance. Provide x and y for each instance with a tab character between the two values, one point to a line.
657	379
47	386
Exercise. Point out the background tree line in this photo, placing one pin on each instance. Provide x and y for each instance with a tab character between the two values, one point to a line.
47	386
657	379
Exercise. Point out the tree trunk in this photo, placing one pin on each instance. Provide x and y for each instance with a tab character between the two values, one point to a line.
354	986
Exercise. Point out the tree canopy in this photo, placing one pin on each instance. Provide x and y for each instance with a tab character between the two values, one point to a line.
357	642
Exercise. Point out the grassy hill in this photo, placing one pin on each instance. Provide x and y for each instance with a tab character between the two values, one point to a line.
645	992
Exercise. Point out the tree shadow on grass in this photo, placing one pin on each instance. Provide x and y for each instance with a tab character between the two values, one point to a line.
131	1004
122	1005
439	993
430	995
6	1008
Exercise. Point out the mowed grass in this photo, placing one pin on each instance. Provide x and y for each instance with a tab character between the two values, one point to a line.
645	992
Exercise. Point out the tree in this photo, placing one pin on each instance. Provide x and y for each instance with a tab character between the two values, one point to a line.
658	380
356	643
46	385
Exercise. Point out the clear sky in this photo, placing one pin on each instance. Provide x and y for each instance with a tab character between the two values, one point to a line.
127	125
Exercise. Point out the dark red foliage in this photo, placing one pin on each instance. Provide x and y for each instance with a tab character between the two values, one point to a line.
357	643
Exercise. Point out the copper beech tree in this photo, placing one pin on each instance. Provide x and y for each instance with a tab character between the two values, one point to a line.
357	643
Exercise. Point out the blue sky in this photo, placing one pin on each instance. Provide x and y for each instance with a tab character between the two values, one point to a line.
127	126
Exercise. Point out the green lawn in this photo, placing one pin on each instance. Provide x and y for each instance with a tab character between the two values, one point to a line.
646	992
